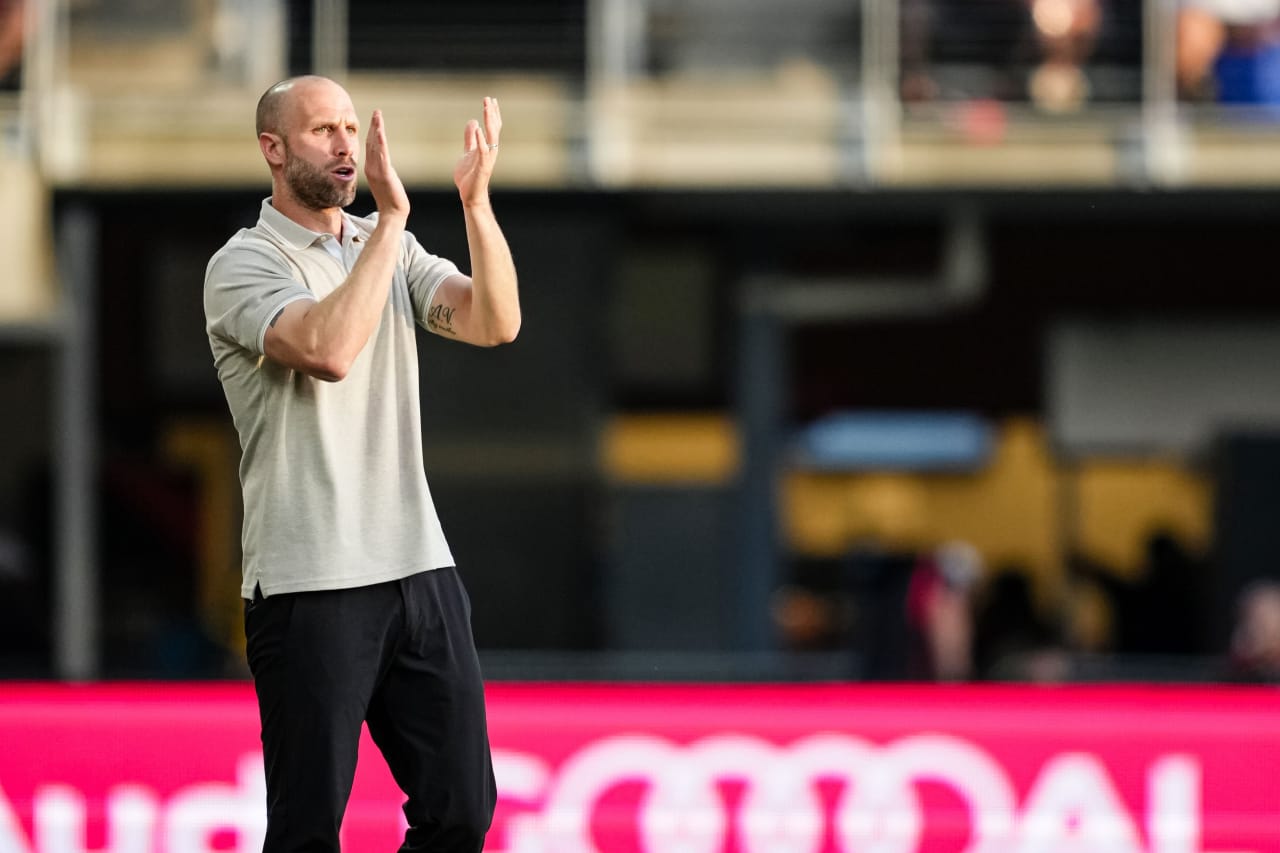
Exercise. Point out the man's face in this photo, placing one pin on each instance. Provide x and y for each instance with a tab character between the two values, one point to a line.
321	145
316	186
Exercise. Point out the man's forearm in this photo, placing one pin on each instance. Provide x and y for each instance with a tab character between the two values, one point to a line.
338	326
495	300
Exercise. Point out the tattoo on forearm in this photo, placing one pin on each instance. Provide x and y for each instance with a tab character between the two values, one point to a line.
275	318
440	319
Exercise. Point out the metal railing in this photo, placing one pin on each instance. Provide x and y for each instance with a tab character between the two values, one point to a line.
808	93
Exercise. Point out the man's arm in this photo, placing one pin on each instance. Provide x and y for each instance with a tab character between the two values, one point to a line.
484	307
322	339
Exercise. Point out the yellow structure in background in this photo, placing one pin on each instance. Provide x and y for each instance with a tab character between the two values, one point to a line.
1024	509
697	449
1009	510
1120	503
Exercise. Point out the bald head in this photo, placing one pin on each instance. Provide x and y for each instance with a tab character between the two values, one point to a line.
273	107
309	135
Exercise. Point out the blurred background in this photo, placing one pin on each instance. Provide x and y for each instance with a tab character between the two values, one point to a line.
880	340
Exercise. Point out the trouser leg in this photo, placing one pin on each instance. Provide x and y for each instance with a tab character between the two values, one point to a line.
315	658
428	718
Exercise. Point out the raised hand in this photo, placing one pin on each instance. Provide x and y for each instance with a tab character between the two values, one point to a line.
479	155
384	182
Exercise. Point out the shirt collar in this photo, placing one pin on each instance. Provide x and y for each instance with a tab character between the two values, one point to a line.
299	236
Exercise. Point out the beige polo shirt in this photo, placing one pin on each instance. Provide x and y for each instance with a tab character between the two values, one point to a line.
334	490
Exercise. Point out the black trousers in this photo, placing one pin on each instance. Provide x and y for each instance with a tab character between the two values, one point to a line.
398	656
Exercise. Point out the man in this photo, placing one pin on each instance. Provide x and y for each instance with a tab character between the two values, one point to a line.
354	612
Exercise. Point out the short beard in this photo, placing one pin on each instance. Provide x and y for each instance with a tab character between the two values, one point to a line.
314	188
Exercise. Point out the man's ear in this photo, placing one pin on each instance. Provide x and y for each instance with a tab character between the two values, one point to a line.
272	146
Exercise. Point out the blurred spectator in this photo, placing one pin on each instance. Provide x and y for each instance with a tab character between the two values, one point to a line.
1066	32
1159	612
939	612
1255	640
1001	50
1013	641
12	35
1229	51
900	614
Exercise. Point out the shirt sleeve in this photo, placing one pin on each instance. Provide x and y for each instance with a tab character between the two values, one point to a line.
424	272
245	287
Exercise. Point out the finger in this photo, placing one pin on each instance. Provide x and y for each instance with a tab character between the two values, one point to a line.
471	136
492	120
377	140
